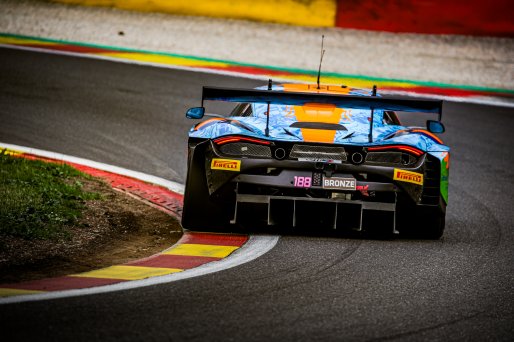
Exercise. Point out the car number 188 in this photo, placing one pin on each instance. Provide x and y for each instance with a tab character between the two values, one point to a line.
302	182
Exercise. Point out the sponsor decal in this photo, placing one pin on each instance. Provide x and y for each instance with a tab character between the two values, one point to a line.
408	176
302	182
339	183
363	189
346	115
317	160
316	178
226	164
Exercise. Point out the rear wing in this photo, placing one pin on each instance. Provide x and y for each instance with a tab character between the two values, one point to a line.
394	103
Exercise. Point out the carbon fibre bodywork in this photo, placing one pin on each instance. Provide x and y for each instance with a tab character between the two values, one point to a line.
318	166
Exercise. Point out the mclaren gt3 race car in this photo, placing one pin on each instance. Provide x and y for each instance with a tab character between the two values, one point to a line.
316	157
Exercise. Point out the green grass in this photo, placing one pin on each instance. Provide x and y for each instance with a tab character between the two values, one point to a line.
38	200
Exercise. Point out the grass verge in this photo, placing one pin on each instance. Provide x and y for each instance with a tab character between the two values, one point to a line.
38	200
56	221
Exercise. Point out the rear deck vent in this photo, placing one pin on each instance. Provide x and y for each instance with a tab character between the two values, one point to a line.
246	150
318	152
390	158
384	157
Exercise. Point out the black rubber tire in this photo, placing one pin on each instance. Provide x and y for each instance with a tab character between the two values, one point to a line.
421	222
433	224
200	211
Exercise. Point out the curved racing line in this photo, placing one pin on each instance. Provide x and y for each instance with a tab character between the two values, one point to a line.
193	255
461	93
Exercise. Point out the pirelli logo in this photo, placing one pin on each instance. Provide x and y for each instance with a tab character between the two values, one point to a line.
226	164
408	176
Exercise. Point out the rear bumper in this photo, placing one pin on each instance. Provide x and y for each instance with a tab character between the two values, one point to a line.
280	174
290	206
284	180
261	191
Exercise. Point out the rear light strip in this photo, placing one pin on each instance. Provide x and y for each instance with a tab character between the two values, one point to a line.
230	139
403	148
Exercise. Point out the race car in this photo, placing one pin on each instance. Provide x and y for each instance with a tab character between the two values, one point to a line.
316	157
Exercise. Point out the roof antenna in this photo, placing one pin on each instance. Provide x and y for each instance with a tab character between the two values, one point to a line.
321	58
370	135
266	131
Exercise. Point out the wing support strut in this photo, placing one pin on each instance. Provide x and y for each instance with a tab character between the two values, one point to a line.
266	131
370	136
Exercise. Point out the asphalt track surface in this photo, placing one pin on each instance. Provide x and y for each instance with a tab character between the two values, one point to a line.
307	287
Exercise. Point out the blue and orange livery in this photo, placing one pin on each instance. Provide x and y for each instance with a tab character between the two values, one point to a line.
310	134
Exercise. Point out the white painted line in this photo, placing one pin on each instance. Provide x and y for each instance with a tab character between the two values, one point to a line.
173	186
492	101
256	245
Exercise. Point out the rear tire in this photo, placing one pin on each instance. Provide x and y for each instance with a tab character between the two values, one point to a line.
421	222
200	211
432	226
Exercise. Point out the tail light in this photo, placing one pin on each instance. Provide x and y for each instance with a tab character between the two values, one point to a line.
402	148
232	139
244	147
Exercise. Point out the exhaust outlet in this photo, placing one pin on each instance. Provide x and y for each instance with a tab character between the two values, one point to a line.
357	158
280	153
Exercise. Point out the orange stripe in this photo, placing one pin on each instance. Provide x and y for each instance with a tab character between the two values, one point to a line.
318	112
431	135
201	124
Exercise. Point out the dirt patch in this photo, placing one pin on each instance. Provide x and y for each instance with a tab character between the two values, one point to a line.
111	231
